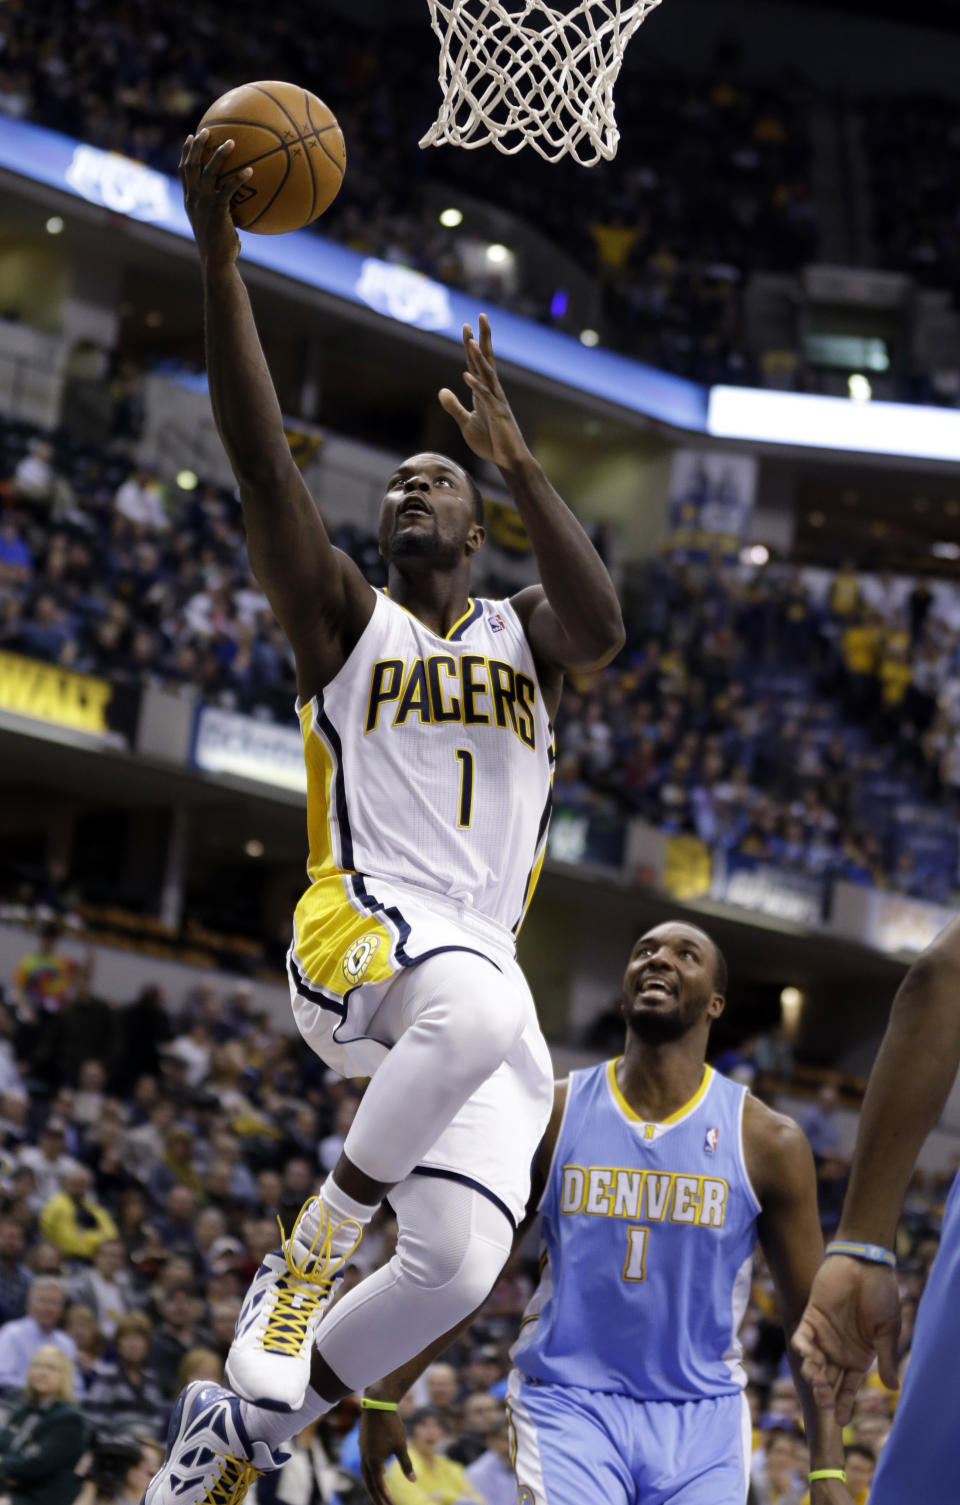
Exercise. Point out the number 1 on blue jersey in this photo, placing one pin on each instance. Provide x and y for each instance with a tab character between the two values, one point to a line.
636	1265
465	758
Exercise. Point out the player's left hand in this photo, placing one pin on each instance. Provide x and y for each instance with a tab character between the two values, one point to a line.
382	1436
489	428
853	1314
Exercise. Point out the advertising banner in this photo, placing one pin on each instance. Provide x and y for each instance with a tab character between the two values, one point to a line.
226	742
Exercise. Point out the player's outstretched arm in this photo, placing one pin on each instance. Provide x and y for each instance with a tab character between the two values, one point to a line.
320	598
854	1308
573	620
781	1168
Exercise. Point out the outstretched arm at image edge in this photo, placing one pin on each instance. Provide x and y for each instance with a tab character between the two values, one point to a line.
853	1314
908	1088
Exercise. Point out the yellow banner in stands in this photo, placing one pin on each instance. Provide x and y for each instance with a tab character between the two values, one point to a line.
688	872
48	693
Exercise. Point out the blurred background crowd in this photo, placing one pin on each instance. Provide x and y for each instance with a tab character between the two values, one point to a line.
145	1151
806	717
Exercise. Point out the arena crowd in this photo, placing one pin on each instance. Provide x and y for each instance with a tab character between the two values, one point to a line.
807	718
146	1147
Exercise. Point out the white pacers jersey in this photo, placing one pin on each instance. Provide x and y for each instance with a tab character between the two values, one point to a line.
429	767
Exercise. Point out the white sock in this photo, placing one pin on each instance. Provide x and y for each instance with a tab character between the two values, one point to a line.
277	1427
339	1208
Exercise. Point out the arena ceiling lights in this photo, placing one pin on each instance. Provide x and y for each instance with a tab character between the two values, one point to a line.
834	423
129	188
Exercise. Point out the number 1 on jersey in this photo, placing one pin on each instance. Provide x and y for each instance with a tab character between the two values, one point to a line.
465	759
636	1265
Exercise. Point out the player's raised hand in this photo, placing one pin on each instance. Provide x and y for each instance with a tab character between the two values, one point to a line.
853	1314
489	427
207	194
382	1435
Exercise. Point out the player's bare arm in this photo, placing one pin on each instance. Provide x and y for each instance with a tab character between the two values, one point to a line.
320	598
382	1433
573	619
854	1308
781	1169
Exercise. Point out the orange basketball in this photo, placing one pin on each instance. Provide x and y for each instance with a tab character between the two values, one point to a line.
294	145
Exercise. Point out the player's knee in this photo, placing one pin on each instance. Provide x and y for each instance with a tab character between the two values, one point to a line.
461	1277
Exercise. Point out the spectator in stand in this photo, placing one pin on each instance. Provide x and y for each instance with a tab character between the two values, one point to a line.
860	1464
73	1220
124	1398
16	559
140	501
80	1324
176	1226
44	979
438	1478
48	1160
146	1029
194	1050
441	1383
777	1477
822	1125
105	1287
45	1437
198	1364
480	1415
14	1276
176	1336
36	483
491	1475
20	1340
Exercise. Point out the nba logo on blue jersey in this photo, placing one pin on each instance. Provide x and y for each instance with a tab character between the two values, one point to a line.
497	624
711	1141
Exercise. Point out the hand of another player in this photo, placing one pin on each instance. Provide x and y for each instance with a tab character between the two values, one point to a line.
489	427
207	195
382	1435
853	1314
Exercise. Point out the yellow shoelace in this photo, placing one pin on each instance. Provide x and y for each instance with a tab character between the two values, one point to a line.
312	1277
231	1484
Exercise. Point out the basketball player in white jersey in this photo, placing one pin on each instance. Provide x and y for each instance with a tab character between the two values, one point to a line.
426	718
655	1179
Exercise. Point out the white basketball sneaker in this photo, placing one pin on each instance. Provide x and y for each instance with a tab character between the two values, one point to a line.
210	1459
269	1359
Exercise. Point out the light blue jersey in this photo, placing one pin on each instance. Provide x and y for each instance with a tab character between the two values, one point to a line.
648	1236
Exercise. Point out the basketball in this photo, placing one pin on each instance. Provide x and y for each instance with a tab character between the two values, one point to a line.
294	145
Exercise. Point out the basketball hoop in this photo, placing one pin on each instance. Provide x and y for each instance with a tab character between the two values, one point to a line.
518	73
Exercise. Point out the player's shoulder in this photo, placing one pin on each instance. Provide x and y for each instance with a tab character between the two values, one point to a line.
774	1145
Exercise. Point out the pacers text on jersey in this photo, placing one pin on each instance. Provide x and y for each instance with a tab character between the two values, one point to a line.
471	689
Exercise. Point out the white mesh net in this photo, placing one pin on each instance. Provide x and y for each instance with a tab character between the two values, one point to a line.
518	73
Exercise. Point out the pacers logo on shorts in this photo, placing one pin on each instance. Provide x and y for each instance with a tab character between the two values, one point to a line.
359	956
525	1495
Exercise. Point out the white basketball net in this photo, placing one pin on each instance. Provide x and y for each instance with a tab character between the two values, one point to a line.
521	73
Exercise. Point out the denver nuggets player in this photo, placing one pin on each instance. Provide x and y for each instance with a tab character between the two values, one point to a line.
657	1175
426	718
854	1308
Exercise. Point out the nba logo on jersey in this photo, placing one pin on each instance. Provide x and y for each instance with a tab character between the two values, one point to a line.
497	624
711	1140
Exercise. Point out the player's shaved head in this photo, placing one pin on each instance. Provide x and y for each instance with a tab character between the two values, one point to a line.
675	981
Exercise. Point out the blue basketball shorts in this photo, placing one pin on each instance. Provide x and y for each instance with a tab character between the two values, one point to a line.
921	1461
572	1445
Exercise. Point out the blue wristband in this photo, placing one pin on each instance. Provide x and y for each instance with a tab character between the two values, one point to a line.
874	1254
